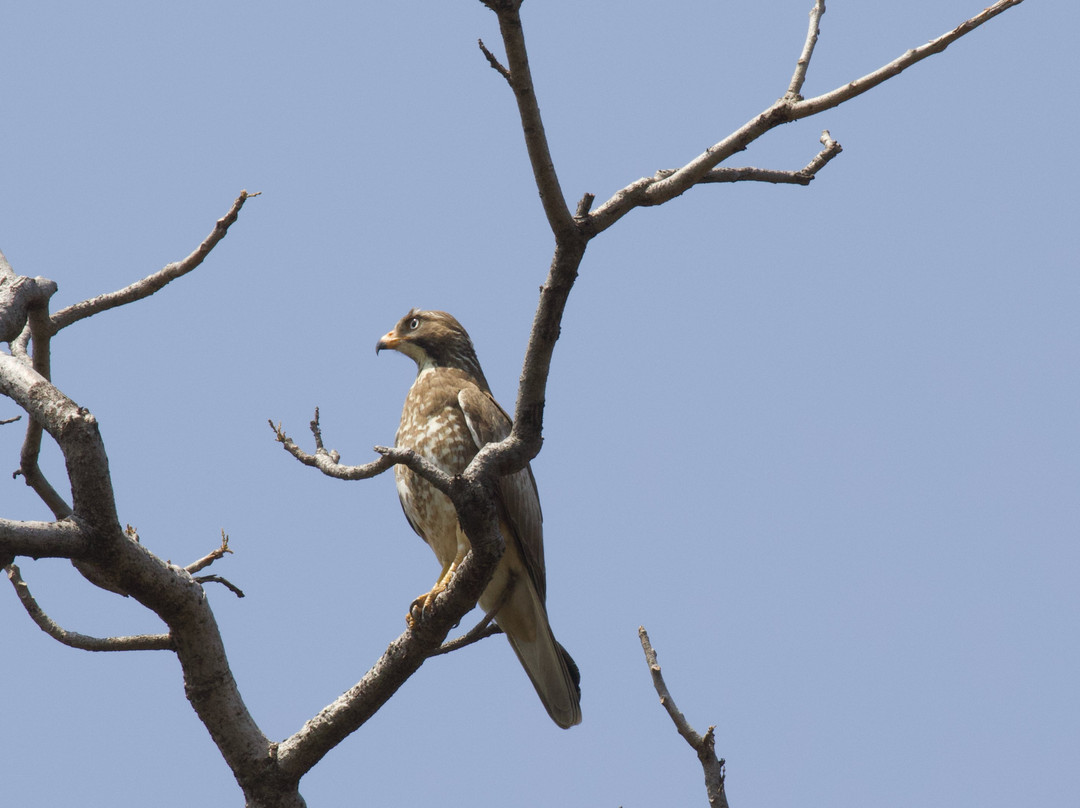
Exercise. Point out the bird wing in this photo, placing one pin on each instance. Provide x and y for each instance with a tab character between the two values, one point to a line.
518	498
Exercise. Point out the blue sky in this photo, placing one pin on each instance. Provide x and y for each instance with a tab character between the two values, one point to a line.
822	442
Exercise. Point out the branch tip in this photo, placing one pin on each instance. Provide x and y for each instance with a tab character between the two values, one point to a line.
496	65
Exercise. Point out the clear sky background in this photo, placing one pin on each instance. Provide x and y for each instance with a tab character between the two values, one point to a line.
822	442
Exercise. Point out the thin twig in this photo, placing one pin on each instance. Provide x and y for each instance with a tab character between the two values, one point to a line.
217	579
152	283
10	420
799	77
703	745
812	106
652	191
804	176
210	557
495	63
138	642
484	628
327	461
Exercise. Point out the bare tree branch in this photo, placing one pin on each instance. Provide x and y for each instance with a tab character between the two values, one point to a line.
210	557
326	461
217	579
653	191
520	79
31	471
152	283
139	642
18	295
799	77
115	559
39	329
572	234
703	745
335	722
75	429
65	539
812	106
495	63
485	628
804	176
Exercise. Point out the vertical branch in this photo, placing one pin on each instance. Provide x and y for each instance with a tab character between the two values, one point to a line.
520	78
40	330
795	88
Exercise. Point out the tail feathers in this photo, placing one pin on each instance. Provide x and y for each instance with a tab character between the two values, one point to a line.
551	669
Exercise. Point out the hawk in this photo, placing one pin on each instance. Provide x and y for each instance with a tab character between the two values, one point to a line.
449	415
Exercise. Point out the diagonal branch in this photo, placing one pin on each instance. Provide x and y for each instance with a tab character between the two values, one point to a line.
703	745
486	627
152	283
656	191
496	65
212	556
812	106
804	176
301	751
72	639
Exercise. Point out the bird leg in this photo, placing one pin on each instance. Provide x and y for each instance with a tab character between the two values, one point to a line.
420	606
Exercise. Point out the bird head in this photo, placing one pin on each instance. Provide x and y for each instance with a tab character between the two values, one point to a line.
433	339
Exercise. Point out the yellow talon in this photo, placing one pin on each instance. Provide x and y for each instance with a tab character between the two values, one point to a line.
420	606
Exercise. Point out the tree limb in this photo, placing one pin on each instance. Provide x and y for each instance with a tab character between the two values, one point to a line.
225	582
572	233
139	642
804	176
532	125
116	561
19	295
496	65
298	753
485	628
703	745
812	106
801	66
151	283
63	539
654	191
326	461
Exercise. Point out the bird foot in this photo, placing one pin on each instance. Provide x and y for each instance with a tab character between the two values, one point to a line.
422	605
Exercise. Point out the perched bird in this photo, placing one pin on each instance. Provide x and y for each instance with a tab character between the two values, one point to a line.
449	415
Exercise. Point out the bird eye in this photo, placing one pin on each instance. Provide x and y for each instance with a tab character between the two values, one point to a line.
414	323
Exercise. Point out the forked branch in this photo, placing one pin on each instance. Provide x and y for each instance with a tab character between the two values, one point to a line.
792	107
327	460
573	233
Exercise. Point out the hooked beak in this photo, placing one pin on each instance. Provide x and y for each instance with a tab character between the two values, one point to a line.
387	341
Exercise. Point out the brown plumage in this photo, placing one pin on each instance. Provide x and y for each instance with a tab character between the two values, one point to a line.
449	415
